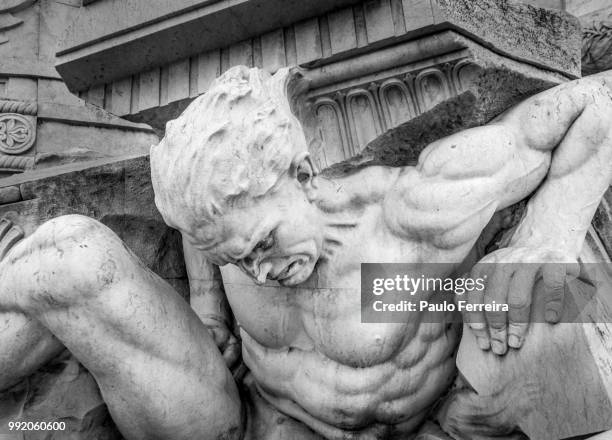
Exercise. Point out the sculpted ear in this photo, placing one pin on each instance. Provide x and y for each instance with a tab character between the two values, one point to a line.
303	170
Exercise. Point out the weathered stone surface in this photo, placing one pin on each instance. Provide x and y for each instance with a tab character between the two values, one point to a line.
549	39
62	391
596	19
516	63
538	36
602	222
197	26
72	155
34	97
9	194
457	170
118	193
498	84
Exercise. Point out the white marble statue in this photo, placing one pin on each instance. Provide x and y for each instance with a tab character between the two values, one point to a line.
278	246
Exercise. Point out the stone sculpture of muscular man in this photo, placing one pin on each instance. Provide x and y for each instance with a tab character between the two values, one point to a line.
234	175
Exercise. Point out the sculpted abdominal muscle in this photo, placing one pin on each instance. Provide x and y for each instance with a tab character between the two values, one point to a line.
395	389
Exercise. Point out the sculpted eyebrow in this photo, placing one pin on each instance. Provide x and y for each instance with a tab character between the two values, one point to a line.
254	244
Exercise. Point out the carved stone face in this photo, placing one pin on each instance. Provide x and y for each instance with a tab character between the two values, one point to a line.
278	236
233	175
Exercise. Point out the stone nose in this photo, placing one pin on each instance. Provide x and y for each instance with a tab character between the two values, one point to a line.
250	265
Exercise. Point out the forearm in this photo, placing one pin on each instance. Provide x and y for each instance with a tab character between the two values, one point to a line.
559	214
207	295
558	217
25	346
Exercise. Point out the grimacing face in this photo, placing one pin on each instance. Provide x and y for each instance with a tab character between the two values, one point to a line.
279	235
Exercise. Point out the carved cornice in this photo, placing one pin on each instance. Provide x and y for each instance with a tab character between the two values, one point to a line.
16	163
360	111
21	107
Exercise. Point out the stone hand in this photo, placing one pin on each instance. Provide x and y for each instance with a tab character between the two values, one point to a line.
224	338
510	275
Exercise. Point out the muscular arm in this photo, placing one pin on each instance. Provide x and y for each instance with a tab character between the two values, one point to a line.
461	180
207	296
157	367
558	142
560	212
208	300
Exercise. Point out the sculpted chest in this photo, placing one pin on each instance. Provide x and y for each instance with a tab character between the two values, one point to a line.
324	319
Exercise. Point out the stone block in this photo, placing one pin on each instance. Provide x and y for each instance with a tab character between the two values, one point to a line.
542	37
417	14
290	46
22	88
360	26
308	41
273	50
178	80
342	32
465	94
379	20
241	54
51	90
95	96
149	89
56	137
9	194
117	192
89	51
397	12
209	68
121	96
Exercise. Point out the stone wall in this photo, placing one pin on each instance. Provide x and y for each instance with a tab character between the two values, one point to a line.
41	123
596	19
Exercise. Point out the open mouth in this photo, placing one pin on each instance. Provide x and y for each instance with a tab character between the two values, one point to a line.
289	270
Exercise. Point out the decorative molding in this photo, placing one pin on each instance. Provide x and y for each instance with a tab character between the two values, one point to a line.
432	87
464	73
351	117
21	107
16	163
17	133
397	102
162	32
332	126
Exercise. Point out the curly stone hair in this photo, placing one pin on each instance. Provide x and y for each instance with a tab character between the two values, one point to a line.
231	145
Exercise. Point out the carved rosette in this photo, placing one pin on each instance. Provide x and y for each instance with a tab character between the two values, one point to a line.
17	133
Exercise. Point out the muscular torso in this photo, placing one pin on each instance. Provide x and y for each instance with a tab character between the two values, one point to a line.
312	357
306	347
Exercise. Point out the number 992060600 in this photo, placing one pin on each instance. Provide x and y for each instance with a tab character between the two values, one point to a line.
37	426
